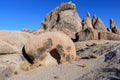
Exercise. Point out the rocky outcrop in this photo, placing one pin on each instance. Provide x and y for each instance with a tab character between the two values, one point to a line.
87	22
109	68
14	40
99	25
87	34
57	44
50	46
108	36
25	30
113	27
63	18
94	19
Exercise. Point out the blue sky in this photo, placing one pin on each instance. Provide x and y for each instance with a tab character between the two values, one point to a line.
18	14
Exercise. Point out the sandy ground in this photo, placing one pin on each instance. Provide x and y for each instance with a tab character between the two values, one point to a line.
59	72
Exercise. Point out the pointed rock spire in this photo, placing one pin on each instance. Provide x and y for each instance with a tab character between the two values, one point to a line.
99	25
113	27
88	14
87	22
95	16
112	23
94	19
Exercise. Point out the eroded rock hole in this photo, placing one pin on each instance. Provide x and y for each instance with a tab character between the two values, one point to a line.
27	57
54	53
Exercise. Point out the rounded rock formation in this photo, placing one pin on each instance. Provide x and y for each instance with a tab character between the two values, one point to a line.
59	45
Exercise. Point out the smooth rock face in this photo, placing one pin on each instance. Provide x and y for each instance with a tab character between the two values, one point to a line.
11	43
57	44
99	26
63	18
49	60
14	39
6	48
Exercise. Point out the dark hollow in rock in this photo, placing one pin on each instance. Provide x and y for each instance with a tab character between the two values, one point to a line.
48	45
76	37
54	53
28	58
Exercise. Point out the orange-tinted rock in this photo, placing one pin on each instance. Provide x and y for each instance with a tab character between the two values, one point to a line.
59	45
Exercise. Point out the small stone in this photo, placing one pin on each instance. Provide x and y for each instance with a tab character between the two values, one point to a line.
56	77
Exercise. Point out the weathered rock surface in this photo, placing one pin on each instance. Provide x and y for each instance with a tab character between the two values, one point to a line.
63	18
110	62
95	69
95	47
108	36
87	34
113	27
10	65
14	39
40	47
59	45
11	43
6	48
94	19
99	25
87	22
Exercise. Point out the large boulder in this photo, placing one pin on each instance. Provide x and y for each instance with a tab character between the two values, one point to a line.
63	18
14	40
59	45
